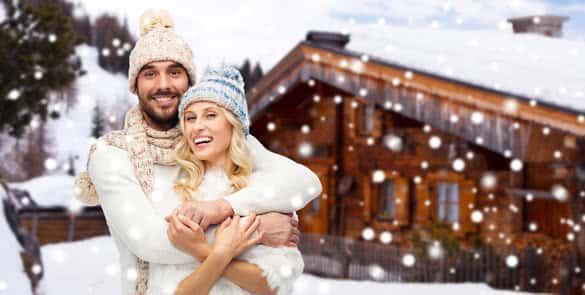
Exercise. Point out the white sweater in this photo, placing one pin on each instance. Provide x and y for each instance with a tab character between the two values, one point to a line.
138	228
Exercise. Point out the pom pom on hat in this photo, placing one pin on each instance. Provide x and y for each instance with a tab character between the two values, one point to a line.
155	18
158	42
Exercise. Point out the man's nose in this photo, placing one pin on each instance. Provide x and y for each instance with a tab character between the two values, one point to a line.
164	82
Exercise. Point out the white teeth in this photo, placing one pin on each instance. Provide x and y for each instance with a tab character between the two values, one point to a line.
202	140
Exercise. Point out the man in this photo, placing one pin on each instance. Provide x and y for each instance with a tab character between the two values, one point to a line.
132	169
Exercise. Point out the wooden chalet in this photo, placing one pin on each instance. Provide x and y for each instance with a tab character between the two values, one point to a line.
399	149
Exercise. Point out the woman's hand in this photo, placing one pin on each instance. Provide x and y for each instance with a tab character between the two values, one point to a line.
187	236
231	238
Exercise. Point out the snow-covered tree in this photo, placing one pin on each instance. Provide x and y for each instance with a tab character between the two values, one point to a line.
38	58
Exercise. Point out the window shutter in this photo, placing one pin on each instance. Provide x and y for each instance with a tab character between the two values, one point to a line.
466	198
402	214
422	210
378	120
368	198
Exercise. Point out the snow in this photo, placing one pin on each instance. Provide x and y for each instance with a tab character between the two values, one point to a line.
49	190
13	280
71	132
91	267
546	69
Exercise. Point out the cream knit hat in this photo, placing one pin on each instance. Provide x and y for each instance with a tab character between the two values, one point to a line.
158	42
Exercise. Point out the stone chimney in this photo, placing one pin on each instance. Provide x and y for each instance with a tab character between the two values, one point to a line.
330	39
547	25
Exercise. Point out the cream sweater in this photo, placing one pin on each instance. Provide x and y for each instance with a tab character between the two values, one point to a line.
137	224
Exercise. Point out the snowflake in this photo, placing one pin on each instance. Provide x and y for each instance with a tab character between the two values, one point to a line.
512	261
516	165
435	142
477	216
408	260
386	237
13	94
368	233
305	149
458	165
376	272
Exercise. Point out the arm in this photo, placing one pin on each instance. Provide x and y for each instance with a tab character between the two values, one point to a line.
277	184
129	214
231	239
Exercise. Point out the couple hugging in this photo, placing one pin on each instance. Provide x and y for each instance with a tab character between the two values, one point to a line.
194	203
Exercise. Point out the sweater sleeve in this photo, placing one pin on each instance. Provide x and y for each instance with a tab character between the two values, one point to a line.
129	214
281	266
277	184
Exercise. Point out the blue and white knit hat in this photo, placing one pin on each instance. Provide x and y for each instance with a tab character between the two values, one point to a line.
224	86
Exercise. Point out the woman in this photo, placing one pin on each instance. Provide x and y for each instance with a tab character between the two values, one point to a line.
215	161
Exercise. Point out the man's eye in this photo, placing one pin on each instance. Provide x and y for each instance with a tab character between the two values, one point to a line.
148	74
175	73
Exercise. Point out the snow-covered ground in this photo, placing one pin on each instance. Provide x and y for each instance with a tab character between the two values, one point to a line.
13	280
90	267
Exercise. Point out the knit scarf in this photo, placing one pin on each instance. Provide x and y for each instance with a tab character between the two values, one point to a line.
146	147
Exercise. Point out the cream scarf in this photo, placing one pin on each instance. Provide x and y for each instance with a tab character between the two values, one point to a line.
145	147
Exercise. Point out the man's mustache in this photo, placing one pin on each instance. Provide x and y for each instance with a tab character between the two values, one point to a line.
165	93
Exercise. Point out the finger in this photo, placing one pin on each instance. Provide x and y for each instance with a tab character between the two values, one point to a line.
235	221
295	232
251	229
255	240
294	222
197	218
294	239
251	219
178	224
225	223
189	223
168	218
204	224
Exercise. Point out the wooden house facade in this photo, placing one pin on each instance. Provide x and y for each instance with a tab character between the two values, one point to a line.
400	150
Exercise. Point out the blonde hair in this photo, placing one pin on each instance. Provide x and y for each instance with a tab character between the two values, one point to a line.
239	166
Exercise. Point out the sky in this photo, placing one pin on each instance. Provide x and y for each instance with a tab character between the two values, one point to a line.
464	14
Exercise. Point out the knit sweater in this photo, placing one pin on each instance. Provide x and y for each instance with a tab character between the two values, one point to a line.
138	228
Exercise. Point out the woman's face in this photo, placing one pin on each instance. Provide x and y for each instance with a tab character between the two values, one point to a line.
208	132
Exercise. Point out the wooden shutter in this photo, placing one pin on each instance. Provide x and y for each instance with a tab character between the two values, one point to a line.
402	212
422	210
378	120
466	197
368	197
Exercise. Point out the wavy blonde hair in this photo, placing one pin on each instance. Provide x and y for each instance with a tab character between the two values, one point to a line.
239	166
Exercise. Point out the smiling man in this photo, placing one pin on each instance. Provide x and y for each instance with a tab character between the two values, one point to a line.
133	170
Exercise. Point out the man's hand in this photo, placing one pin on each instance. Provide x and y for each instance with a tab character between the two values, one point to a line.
279	229
205	213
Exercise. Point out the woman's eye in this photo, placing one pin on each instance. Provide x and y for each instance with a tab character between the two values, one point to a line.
211	115
189	119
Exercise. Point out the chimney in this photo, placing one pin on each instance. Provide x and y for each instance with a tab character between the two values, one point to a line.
547	25
329	39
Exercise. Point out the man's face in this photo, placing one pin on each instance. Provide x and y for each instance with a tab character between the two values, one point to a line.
160	86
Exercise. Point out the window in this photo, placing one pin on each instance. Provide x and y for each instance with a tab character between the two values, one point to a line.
367	123
447	202
387	206
315	205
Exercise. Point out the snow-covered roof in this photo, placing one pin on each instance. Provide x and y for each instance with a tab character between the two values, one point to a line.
546	69
49	190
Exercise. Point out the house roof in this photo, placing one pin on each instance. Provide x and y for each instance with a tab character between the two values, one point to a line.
549	70
474	74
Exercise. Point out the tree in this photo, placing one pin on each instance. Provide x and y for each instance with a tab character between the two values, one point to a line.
98	124
114	42
38	58
250	76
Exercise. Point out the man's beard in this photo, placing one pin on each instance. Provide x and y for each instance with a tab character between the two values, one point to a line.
149	110
171	120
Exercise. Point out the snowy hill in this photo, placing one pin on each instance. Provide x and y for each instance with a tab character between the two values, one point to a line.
71	132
